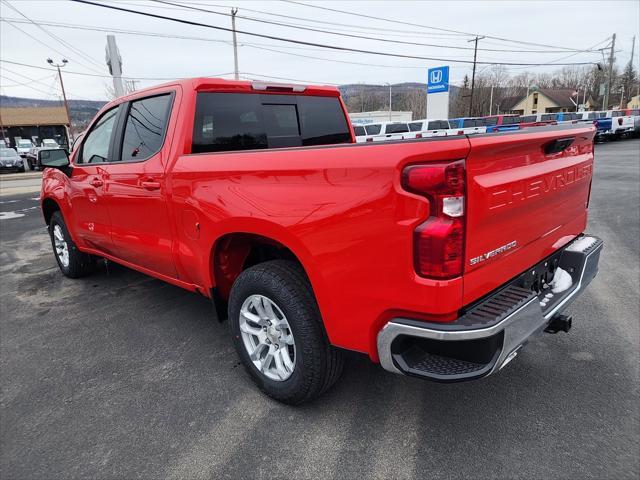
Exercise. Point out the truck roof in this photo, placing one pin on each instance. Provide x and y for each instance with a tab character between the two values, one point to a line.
238	86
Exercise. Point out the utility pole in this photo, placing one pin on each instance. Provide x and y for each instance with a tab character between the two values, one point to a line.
491	101
389	101
607	92
473	75
64	95
235	43
633	45
114	62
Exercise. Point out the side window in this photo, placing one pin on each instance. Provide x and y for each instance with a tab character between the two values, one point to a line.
145	127
359	131
373	129
95	148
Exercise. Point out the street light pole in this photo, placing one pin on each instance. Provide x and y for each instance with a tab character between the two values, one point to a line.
64	95
389	101
235	44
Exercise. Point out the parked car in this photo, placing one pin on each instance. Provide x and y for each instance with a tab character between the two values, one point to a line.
10	160
385	131
23	146
467	126
634	113
613	124
502	123
49	143
621	123
428	128
437	258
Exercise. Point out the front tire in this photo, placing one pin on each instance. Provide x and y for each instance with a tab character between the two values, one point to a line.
72	262
277	331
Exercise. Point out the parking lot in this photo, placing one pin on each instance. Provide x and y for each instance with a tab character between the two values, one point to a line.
121	375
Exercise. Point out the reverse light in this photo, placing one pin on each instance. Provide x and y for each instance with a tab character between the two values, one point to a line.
439	241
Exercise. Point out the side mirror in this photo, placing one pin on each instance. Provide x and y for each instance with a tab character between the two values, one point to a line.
58	158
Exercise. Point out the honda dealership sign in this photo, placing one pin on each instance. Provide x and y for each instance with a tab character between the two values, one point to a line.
438	93
438	80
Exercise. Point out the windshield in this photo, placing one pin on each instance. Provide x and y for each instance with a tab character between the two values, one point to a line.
8	153
24	143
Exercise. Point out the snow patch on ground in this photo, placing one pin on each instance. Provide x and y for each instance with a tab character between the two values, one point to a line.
10	215
581	245
561	281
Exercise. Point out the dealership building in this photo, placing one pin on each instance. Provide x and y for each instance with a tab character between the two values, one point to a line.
35	124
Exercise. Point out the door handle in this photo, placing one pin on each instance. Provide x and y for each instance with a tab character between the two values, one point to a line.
150	185
96	182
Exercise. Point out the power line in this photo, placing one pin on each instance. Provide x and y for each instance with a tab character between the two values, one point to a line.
55	37
403	33
29	82
107	76
522	42
258	46
28	86
301	42
348	35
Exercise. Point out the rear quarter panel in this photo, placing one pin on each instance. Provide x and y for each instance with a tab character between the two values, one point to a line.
342	212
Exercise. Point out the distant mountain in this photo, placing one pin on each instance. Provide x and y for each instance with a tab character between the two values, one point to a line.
81	111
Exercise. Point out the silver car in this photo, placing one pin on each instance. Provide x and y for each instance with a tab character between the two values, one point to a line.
10	160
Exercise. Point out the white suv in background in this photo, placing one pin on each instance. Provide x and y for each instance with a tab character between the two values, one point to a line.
428	128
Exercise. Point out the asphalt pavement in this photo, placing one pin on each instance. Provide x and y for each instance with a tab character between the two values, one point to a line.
122	376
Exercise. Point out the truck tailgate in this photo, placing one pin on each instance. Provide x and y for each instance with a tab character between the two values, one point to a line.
524	200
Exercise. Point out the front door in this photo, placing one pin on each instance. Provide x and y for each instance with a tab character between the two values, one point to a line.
89	210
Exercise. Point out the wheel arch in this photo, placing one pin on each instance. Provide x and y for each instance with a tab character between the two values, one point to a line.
235	250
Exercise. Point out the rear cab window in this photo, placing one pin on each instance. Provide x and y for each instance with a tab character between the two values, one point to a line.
250	121
415	126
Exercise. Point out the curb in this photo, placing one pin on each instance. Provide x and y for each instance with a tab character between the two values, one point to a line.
7	177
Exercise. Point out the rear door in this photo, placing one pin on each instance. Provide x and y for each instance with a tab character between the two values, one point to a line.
135	185
527	197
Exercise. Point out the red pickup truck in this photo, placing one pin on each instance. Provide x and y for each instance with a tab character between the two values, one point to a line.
437	257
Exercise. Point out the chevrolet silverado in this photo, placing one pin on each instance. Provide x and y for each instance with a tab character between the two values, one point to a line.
437	257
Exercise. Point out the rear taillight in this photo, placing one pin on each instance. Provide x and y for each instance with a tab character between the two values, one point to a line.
369	139
460	132
439	242
418	135
619	121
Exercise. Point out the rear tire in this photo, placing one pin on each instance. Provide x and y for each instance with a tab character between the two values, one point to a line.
72	262
272	308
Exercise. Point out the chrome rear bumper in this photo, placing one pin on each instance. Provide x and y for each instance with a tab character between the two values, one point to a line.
490	333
